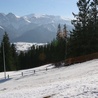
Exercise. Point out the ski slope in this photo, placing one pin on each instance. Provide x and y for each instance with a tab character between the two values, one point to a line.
75	81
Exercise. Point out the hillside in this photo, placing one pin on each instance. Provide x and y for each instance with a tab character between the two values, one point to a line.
75	81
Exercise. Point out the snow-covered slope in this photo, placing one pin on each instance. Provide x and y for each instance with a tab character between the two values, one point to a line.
18	27
75	81
24	46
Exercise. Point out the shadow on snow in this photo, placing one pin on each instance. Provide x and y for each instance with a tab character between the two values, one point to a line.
4	80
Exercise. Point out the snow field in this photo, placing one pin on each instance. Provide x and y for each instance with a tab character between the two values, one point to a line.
75	81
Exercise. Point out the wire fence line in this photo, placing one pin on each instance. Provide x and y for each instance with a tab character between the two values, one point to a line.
25	73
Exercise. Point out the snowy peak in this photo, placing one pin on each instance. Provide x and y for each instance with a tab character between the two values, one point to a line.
33	18
38	16
46	18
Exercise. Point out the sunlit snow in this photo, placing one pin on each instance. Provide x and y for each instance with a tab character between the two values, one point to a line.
75	81
24	46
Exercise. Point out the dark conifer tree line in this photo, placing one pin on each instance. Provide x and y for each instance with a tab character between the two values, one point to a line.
36	56
51	53
83	40
84	37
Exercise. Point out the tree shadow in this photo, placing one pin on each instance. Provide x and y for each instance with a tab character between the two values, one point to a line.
4	80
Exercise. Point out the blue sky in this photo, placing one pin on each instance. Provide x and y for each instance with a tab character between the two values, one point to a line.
50	7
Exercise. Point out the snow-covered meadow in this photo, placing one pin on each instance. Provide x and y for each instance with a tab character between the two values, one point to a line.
25	46
75	81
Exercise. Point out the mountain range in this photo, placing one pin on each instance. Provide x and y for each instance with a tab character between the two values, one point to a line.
31	28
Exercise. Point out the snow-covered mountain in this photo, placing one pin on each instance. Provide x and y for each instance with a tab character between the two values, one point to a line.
32	28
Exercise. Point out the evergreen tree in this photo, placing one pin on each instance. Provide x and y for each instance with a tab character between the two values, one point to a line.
1	61
78	44
21	60
65	40
59	45
94	12
8	53
93	26
14	56
59	32
65	32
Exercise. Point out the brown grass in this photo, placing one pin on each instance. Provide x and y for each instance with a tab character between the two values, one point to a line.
80	59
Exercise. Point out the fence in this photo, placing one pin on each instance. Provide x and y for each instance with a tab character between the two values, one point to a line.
29	72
